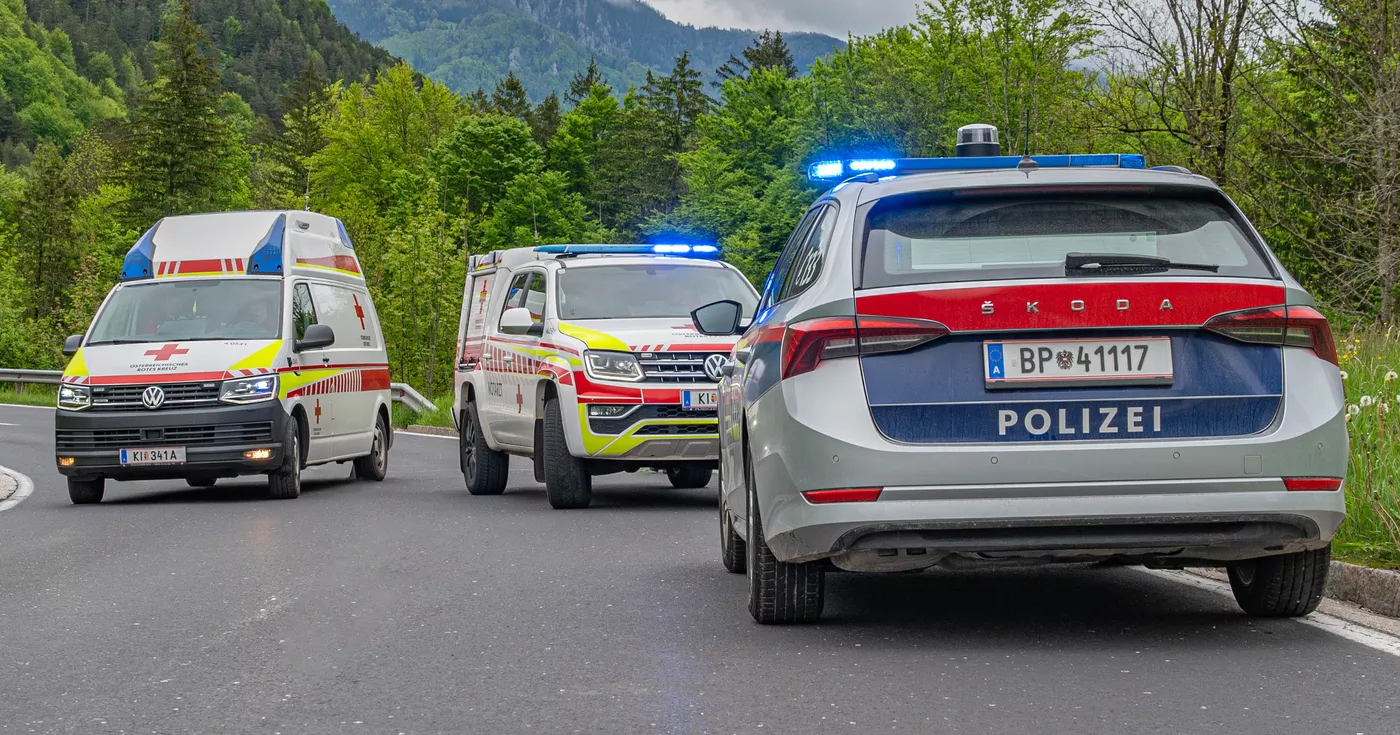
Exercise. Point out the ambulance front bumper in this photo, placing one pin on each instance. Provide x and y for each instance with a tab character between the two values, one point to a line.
214	440
658	432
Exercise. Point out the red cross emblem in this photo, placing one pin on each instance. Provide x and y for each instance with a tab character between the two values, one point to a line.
318	411
165	353
519	400
359	310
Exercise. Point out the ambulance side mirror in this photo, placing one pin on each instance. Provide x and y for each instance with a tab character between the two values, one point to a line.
72	344
718	319
518	321
317	336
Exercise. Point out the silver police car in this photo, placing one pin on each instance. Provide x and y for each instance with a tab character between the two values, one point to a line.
998	360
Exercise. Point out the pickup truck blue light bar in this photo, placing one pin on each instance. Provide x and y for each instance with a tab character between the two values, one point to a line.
836	170
690	251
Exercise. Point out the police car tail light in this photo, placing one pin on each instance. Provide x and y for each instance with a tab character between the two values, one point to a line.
1313	484
843	495
1290	326
807	344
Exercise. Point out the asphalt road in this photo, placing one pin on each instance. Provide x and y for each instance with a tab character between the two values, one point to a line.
410	606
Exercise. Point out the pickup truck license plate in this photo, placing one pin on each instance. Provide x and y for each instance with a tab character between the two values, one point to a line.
154	455
699	400
1077	362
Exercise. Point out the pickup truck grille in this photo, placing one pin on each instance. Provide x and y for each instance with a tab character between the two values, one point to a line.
185	436
650	412
675	367
177	395
679	429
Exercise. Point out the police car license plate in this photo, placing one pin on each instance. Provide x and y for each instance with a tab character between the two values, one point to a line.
154	455
699	400
1067	363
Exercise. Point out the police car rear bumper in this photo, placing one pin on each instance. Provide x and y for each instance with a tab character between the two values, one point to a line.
214	439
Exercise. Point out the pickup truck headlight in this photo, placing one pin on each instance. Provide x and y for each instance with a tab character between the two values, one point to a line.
612	366
249	390
74	397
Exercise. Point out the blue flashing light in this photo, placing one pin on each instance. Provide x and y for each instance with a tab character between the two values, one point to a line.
860	167
693	251
833	170
138	263
826	170
344	236
267	256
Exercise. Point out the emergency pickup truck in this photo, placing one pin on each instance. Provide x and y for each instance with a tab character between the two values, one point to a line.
586	360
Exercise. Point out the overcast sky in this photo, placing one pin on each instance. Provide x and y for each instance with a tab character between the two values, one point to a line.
833	17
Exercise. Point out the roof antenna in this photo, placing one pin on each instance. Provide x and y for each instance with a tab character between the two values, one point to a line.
1027	164
534	221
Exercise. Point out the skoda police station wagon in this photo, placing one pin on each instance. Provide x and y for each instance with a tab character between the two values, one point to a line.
235	344
999	360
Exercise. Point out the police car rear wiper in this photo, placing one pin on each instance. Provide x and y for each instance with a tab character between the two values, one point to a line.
1110	264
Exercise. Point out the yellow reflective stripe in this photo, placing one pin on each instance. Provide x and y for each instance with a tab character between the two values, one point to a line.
609	445
77	367
260	359
291	381
594	339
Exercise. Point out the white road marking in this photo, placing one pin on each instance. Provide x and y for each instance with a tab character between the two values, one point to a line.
427	436
25	488
2	423
1368	637
24	405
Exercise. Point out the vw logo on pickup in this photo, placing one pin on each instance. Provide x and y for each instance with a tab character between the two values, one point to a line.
714	366
153	397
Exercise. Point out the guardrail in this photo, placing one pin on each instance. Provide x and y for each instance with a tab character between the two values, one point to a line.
399	392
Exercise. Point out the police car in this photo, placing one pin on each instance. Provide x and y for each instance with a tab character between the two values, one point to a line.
585	360
236	343
989	360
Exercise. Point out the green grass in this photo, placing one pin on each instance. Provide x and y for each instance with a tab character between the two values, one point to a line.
31	395
1370	362
441	417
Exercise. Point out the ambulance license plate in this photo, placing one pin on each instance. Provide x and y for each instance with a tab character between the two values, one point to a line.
699	400
1077	362
154	455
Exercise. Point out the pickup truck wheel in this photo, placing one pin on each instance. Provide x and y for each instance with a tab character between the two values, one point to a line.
485	470
689	476
566	480
86	492
375	465
1283	586
284	483
779	592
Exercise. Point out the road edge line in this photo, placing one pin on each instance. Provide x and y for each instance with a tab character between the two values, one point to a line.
25	488
401	432
1355	632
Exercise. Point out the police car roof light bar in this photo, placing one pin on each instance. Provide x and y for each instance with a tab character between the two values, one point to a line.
692	251
836	170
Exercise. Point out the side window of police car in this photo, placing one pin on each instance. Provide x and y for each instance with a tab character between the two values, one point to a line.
806	262
303	310
780	269
515	295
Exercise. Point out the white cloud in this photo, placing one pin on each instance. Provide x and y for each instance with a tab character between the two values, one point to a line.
833	17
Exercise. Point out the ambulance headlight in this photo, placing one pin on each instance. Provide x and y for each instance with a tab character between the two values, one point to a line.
74	397
249	390
612	366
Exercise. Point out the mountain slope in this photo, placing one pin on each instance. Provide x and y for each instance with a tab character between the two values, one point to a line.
468	44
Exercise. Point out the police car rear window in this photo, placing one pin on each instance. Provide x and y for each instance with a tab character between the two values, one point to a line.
981	235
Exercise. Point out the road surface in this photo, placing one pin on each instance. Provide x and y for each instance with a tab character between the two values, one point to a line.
409	606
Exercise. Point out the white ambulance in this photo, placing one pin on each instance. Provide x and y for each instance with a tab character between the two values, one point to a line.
586	359
235	344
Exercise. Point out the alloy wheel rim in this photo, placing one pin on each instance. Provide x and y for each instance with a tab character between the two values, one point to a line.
469	447
380	456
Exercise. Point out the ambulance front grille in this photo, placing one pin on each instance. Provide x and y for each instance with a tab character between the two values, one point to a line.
177	395
675	367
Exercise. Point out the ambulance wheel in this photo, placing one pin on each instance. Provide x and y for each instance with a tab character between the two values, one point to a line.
284	483
566	480
1283	586
780	592
86	492
201	481
375	465
689	476
485	470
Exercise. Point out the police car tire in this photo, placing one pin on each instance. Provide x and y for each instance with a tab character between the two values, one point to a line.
1283	586
780	593
284	483
689	476
375	465
492	467
201	481
566	481
86	492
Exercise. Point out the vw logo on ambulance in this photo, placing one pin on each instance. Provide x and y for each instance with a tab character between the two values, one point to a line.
714	366
153	397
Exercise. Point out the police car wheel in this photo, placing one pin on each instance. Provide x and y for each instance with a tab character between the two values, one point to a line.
1283	586
284	483
486	471
86	492
201	481
375	465
689	476
779	592
566	481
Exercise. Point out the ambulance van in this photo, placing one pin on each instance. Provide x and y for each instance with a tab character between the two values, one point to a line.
236	343
586	359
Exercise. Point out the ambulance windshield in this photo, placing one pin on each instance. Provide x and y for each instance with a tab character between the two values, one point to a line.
191	310
651	291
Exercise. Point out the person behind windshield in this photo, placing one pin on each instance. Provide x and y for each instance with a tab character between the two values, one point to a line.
258	316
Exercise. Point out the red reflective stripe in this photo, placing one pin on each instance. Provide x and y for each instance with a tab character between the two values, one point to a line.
1052	305
207	265
148	378
700	347
843	495
1325	484
339	262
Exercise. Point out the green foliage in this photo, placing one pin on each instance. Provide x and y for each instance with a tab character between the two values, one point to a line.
480	159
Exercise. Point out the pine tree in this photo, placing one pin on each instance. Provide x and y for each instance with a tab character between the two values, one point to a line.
581	86
510	98
308	105
180	148
544	120
768	51
44	239
479	102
